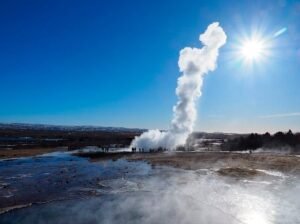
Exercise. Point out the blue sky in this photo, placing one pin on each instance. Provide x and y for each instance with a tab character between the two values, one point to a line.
114	63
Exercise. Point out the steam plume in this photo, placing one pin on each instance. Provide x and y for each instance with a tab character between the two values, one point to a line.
194	63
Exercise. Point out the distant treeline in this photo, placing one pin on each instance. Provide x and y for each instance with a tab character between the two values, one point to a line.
278	141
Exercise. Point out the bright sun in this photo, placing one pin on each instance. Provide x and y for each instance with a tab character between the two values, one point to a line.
252	49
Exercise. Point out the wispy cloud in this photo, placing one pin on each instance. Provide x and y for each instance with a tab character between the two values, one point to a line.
295	114
279	32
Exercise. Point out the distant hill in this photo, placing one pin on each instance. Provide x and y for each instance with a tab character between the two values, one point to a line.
24	126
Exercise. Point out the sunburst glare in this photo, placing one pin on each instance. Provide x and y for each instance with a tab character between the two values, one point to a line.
252	49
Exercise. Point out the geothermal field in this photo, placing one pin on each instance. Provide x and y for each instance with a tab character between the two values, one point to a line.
162	187
150	112
57	174
214	178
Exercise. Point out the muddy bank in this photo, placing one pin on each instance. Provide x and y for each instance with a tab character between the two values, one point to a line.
200	160
16	153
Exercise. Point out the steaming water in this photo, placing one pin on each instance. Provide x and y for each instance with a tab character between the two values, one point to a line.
135	192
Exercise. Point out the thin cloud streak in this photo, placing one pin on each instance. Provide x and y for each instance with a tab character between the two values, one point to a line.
296	114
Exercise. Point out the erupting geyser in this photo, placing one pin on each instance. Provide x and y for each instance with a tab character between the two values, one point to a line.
194	63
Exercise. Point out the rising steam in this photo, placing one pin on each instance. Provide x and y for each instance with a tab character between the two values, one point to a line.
194	63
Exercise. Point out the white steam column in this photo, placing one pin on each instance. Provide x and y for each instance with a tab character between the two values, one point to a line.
194	63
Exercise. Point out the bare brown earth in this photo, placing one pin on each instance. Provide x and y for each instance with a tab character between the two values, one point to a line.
198	160
15	153
208	160
238	172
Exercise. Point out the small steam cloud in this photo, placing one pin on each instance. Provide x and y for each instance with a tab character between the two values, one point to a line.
194	63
